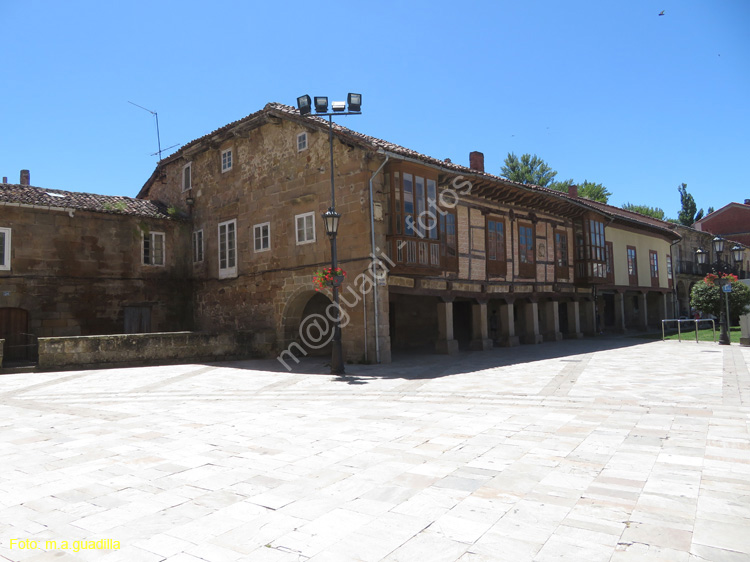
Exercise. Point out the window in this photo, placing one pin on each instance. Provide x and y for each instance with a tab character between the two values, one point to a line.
228	249
496	262
261	234
653	261
226	160
562	271
632	266
197	246
153	248
301	142
4	249
591	250
187	176
526	267
669	271
305	228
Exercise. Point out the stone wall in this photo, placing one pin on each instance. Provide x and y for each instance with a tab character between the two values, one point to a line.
146	349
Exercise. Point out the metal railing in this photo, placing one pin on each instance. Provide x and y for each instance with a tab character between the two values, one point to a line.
689	320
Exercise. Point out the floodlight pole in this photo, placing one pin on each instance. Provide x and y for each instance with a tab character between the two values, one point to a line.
337	356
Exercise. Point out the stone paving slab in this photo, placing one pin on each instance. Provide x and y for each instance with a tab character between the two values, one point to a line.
591	450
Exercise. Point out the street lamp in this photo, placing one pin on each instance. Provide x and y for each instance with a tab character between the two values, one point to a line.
722	267
331	217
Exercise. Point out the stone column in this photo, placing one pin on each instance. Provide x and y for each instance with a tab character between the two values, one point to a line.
480	340
588	317
507	325
445	343
619	311
574	321
551	321
642	320
530	312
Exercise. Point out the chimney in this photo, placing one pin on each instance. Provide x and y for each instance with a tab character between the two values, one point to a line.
573	190
476	161
25	177
5	179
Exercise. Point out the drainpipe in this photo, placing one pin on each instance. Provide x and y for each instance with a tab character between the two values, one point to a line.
374	277
675	298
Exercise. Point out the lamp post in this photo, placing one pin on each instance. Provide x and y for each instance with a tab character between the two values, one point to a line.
717	267
331	217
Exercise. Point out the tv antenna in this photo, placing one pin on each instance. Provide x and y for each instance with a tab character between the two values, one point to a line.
158	136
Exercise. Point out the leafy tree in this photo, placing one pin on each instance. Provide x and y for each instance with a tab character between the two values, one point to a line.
687	215
528	170
533	170
654	212
707	296
710	210
594	191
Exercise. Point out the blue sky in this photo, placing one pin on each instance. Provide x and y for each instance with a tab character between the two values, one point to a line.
607	91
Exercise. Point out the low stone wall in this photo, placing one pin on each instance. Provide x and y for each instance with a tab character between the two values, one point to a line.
85	352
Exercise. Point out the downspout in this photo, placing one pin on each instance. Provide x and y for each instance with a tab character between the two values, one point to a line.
675	298
374	275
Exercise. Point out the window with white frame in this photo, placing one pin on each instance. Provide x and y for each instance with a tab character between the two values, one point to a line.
226	160
305	228
153	248
4	249
301	142
262	236
187	176
228	249
197	246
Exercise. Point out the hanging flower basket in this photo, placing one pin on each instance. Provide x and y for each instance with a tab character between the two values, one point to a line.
328	277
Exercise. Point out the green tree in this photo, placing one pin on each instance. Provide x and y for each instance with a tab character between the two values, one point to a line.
594	191
688	214
527	170
654	212
707	297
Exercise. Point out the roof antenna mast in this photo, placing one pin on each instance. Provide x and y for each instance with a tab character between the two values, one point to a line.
158	137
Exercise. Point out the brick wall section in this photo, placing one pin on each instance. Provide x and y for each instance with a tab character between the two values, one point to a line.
144	349
75	274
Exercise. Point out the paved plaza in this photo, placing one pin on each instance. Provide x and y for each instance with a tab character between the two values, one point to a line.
604	449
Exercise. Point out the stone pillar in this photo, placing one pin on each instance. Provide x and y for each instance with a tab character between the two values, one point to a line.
642	320
551	321
480	340
574	321
619	311
530	312
507	326
445	343
588	317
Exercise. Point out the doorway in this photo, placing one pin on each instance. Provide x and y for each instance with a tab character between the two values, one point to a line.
14	329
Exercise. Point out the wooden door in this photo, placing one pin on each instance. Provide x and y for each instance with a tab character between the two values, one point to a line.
137	319
14	329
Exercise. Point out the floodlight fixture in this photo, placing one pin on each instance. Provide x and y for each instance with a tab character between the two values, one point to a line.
303	104
355	102
321	104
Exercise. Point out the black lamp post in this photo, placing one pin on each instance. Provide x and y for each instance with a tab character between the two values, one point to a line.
331	217
717	267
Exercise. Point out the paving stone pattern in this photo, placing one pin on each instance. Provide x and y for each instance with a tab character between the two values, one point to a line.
594	450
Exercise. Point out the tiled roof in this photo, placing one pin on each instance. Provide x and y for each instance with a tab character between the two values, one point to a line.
367	141
13	194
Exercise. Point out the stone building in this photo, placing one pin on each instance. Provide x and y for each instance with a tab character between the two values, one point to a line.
83	264
731	222
463	257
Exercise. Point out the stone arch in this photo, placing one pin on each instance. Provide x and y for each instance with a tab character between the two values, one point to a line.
311	305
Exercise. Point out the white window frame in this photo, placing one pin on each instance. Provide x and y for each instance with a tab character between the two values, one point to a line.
155	239
230	269
258	236
5	264
226	163
302	137
189	169
297	230
198	253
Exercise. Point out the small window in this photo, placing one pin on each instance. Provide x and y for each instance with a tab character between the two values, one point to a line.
261	235
653	260
153	248
4	249
187	176
301	142
197	246
226	160
305	228
228	249
632	266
